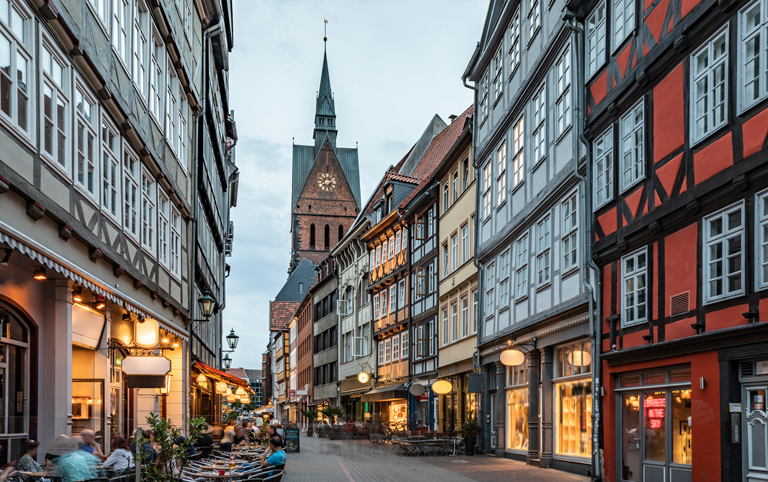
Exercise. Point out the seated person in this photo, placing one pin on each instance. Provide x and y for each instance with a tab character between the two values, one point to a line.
227	440
121	457
241	437
191	452
89	443
28	462
274	455
204	438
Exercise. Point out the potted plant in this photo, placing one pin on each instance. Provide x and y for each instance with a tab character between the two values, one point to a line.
172	451
310	415
470	430
331	413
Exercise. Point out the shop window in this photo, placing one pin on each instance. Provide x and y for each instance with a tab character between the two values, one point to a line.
574	359
517	418
573	400
14	371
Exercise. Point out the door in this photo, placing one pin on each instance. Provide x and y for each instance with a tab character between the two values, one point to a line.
755	423
493	421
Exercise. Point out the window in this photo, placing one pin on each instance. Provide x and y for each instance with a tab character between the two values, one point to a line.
455	186
484	97
101	7
573	401
570	237
341	228
539	136
563	102
311	236
391	247
420	226
405	239
475	311
454	322
163	231
761	211
378	256
595	35
110	165
487	191
188	26
387	350
384	252
148	212
445	326
534	20
498	78
392	298
183	134
372	263
421	280
709	71
623	21
445	197
86	168
634	272
155	75
422	341
445	260
522	267
455	252
404	351
396	348
724	254
632	158
501	180
140	29
54	107
376	313
603	152
514	42
383	304
465	176
490	283
397	242
464	316
401	293
504	280
465	243
131	173
542	250
171	110
518	163
753	60
381	353
517	407
121	14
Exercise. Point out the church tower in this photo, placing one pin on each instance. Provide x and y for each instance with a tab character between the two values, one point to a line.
326	184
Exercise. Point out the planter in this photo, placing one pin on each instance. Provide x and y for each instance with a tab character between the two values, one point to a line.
469	444
310	430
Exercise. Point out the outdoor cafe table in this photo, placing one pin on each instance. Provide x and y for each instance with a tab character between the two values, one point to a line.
216	475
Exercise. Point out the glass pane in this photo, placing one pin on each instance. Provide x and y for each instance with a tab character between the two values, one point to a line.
654	378
573	422
15	330
17	389
629	381
716	226
757	400
517	419
630	443
677	376
681	426
655	426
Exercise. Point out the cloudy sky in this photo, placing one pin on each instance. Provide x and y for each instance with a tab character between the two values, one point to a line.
393	65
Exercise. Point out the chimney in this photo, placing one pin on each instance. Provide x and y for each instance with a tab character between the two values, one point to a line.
452	118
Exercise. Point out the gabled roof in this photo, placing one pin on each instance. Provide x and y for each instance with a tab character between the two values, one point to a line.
237	372
298	283
304	158
253	375
280	313
436	152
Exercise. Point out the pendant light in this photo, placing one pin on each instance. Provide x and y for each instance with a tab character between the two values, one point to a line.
441	387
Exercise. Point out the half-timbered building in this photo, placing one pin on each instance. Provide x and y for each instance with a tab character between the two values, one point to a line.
530	238
678	116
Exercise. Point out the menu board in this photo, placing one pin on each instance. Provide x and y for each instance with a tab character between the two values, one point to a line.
292	439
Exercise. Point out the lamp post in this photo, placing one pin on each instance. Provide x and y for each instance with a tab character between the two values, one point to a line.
232	340
226	362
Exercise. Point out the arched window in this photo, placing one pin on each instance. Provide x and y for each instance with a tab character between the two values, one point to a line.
301	287
327	237
312	237
16	350
341	232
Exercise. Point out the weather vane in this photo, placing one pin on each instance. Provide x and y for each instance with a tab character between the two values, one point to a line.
325	30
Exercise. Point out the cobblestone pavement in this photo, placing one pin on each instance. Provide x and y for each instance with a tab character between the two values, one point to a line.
323	460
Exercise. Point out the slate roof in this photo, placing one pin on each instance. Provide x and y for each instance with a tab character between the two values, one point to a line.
304	273
379	194
438	149
253	375
237	372
304	159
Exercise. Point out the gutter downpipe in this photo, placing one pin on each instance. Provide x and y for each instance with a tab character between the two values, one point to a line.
595	329
476	355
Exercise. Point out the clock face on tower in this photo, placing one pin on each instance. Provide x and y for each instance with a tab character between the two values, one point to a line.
326	182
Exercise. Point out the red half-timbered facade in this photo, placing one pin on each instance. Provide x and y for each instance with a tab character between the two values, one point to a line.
677	104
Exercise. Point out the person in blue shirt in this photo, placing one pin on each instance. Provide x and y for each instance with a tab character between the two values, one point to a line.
274	455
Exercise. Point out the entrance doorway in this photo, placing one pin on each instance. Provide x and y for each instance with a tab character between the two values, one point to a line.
755	423
654	426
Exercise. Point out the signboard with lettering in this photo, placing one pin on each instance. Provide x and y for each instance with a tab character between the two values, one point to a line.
292	439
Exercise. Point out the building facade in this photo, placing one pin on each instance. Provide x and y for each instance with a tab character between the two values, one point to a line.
325	388
458	297
678	93
529	238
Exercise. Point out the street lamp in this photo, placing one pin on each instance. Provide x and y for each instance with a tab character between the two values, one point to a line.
226	362
232	339
207	304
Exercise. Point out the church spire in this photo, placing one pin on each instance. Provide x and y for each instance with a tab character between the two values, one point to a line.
325	111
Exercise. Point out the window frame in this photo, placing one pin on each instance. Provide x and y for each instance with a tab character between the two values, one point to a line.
455	322
148	188
395	348
629	144
761	243
484	97
514	42
120	39
539	134
140	51
607	171
521	266
490	284
404	346
622	27
744	36
594	28
534	20
464	317
131	179
455	252
421	282
164	229
708	72
543	251
401	293
487	190
475	309
563	110
518	144
445	260
501	177
82	91
111	156
726	235
569	238
61	93
465	243
388	351
498	74
634	274
504	275
392	296
445	326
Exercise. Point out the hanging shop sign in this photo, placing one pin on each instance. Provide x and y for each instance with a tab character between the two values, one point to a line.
146	371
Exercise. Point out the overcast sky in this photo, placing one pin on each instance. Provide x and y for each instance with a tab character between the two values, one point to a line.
393	65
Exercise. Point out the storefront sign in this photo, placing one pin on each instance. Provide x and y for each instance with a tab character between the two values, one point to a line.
146	371
291	393
734	407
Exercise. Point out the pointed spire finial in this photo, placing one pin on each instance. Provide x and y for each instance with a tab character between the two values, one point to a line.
325	30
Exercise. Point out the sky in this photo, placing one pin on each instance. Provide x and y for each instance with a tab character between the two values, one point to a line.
393	64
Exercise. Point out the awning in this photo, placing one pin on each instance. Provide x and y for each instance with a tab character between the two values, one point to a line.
383	394
267	409
220	375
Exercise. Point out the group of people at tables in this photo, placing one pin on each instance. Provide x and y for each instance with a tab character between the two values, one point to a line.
80	458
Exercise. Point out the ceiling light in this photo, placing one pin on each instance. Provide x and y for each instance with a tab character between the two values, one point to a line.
100	302
126	316
78	295
166	340
176	342
39	274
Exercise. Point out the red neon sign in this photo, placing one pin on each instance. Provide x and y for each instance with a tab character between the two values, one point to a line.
656	413
656	402
655	423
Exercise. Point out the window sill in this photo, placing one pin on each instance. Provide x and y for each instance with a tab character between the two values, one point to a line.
56	167
18	132
535	34
708	302
634	323
88	196
538	163
521	299
503	310
568	272
498	97
634	183
99	20
623	41
745	109
500	206
544	286
514	71
592	75
517	188
715	130
565	132
597	207
120	60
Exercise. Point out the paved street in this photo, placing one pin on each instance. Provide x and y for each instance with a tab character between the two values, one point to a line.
322	460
